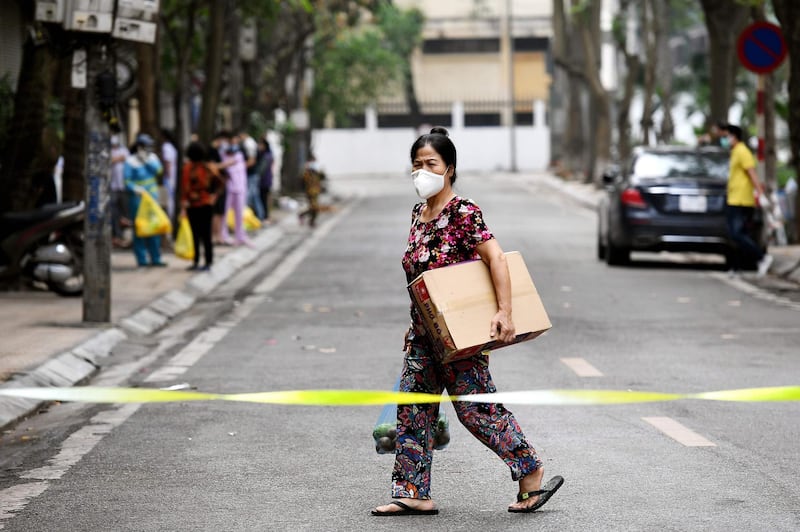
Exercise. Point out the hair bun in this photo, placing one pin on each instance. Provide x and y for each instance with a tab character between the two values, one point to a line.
438	130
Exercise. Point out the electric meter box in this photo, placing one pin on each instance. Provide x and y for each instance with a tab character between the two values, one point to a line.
135	30
136	20
144	10
89	15
50	11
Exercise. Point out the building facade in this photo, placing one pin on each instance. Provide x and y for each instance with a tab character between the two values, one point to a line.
482	71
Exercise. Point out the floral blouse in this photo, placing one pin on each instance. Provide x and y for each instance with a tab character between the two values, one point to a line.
450	238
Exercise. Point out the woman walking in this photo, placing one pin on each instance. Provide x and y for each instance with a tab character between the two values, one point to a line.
445	230
200	183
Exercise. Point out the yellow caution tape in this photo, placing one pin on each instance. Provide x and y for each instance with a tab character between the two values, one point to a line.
336	397
92	394
753	395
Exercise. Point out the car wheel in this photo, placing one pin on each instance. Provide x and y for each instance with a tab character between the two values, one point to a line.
617	256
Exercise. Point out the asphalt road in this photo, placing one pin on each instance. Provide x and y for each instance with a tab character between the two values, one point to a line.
332	315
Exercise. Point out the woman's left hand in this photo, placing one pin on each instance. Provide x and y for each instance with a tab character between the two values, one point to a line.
502	328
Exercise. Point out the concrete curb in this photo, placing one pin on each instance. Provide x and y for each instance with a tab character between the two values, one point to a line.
84	360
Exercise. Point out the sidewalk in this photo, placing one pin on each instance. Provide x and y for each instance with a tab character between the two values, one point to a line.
786	257
46	343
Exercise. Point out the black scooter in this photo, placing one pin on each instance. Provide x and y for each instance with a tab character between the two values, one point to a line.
44	245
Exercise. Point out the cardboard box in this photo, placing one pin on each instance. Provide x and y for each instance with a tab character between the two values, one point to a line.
458	303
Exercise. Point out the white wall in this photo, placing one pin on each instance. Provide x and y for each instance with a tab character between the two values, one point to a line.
382	151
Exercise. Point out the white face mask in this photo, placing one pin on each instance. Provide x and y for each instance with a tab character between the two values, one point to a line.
427	183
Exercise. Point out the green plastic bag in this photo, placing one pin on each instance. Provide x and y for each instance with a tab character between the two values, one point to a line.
385	431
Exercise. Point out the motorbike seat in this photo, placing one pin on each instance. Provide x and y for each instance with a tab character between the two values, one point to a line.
11	222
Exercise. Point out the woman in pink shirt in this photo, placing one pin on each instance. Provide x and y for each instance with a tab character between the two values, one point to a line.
234	162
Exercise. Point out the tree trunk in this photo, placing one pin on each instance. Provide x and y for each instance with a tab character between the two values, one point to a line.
632	69
73	178
664	71
651	39
589	29
632	66
414	111
725	20
33	149
788	13
568	58
215	53
146	92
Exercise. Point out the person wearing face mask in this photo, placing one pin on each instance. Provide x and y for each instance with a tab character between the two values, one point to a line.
447	229
233	160
745	192
141	170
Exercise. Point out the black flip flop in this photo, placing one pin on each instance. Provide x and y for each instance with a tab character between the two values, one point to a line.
547	491
406	510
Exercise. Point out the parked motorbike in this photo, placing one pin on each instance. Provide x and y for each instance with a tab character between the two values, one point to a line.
44	245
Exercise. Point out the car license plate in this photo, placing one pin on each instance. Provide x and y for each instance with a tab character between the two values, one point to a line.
692	204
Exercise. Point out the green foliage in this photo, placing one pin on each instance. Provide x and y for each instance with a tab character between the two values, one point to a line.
783	174
351	71
402	29
257	124
6	109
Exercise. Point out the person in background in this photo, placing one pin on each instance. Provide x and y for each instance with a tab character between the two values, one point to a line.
447	229
234	162
715	136
200	183
312	182
249	147
218	216
169	156
266	161
745	193
141	172
119	201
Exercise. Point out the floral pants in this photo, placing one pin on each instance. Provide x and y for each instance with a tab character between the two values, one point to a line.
492	424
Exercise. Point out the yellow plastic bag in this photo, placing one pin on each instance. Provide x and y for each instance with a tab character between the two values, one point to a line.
151	220
184	243
249	218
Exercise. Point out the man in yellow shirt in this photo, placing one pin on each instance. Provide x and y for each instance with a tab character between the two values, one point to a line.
742	201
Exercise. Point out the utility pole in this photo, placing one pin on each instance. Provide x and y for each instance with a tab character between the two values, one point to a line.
100	88
95	25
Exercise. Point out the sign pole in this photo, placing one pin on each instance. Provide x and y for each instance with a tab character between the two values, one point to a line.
760	127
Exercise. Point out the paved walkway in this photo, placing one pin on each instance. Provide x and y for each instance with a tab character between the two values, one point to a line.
46	343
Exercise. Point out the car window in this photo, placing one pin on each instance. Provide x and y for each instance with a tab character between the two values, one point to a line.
665	165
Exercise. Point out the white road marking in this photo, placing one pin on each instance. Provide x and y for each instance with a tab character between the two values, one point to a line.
581	367
15	498
678	432
81	442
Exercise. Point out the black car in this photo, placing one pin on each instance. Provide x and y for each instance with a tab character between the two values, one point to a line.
666	198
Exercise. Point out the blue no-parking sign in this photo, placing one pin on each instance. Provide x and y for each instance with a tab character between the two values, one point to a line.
761	47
